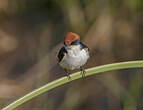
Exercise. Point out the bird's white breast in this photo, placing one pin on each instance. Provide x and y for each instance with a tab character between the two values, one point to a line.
75	57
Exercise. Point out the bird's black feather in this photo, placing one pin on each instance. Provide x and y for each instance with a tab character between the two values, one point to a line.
77	42
61	53
83	46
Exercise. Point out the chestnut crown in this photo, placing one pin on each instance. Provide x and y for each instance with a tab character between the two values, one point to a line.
71	37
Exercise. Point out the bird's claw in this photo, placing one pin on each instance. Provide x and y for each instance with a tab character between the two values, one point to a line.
68	74
69	77
82	72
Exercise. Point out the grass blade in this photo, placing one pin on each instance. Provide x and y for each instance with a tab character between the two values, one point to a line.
77	75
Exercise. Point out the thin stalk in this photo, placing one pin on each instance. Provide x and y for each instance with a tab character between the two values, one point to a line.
77	75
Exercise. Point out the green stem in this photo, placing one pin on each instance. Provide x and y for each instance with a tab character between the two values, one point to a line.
77	75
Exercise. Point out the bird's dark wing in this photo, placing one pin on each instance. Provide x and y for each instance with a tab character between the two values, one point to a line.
83	46
61	53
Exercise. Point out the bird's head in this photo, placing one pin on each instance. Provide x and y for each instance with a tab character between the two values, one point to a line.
71	39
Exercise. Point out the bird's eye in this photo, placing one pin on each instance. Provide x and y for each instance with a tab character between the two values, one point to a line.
65	44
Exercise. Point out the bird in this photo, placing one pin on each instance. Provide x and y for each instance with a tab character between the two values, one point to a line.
74	54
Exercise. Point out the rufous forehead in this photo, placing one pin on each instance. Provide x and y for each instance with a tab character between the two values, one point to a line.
70	37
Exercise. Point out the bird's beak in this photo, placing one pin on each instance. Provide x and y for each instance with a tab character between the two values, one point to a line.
68	42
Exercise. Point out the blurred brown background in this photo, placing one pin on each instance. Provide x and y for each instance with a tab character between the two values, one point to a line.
32	32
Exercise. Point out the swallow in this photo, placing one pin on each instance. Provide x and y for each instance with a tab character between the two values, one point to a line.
74	54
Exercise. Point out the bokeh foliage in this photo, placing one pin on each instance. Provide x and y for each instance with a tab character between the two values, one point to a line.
31	33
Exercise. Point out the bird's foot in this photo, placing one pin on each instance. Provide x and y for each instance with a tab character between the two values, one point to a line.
82	71
68	74
69	77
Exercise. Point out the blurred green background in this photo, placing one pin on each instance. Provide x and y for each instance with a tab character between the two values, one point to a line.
32	32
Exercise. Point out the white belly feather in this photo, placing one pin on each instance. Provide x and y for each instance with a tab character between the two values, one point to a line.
75	58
